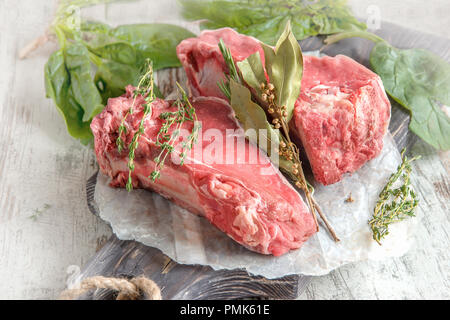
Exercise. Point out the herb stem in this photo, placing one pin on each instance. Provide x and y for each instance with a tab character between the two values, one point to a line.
304	185
325	220
293	155
352	34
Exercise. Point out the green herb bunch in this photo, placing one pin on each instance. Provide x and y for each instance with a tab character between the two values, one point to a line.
170	130
397	201
265	19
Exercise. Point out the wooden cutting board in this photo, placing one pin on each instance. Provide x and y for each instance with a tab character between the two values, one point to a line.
119	258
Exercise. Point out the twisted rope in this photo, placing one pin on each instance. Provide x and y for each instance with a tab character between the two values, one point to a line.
133	289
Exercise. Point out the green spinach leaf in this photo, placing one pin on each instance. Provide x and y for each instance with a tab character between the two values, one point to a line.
57	84
156	41
83	88
420	81
112	78
134	43
97	62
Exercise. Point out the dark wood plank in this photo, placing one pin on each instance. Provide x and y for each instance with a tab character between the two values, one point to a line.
130	258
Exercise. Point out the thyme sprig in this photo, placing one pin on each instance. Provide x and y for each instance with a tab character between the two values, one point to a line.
397	201
145	89
166	141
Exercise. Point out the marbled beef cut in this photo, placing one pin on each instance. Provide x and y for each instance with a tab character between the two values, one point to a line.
340	116
249	200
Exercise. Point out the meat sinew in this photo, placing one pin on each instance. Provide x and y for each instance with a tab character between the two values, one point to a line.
340	117
249	200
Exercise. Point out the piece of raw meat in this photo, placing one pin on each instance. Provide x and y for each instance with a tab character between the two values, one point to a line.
340	116
247	199
203	61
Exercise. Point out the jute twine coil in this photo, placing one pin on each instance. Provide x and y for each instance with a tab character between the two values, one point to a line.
127	289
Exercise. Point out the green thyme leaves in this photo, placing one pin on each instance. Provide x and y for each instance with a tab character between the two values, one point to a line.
169	133
397	201
170	130
144	89
233	74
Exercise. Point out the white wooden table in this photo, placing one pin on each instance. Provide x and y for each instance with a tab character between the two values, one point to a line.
46	230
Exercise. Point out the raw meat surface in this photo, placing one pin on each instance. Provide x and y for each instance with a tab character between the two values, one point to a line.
249	200
203	61
340	116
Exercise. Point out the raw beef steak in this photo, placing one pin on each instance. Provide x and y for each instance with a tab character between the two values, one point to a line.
340	116
249	200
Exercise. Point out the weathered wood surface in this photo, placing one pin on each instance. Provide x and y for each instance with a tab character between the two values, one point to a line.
129	258
41	164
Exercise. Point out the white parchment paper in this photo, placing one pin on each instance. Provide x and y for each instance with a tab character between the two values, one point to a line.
186	238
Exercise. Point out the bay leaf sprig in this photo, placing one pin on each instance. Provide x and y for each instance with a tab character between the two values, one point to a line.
166	140
268	103
397	201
